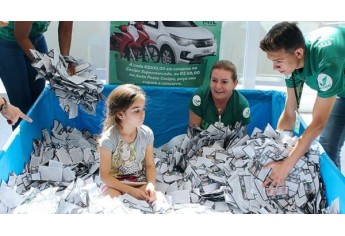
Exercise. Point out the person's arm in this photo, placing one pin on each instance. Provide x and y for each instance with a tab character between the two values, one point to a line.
287	118
11	113
108	179
194	119
280	170
21	33
150	172
65	39
321	112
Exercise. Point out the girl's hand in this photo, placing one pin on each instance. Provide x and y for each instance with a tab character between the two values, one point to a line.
138	194
150	191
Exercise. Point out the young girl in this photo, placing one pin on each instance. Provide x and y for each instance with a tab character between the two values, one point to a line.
126	146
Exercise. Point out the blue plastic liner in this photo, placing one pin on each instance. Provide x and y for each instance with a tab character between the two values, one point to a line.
166	114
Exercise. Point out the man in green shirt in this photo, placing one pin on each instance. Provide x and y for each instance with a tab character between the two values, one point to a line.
220	103
319	61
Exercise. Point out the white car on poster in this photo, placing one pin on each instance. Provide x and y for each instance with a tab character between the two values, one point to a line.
181	41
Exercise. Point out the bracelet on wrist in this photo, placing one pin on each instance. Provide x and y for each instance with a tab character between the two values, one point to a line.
70	59
150	185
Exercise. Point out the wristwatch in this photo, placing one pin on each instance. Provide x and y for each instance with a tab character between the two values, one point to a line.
3	107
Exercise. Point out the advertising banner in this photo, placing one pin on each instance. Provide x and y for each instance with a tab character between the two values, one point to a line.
163	53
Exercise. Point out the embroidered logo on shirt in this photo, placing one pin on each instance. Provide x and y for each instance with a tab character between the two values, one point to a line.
196	100
246	112
325	43
324	81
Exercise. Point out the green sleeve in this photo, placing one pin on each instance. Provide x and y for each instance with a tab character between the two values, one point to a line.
244	112
330	80
195	103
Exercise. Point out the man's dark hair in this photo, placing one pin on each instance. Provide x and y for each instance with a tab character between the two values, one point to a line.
284	35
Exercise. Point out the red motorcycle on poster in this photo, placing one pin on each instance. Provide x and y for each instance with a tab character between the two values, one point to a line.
122	41
142	48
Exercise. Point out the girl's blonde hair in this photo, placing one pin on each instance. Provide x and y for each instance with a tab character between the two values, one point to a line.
119	100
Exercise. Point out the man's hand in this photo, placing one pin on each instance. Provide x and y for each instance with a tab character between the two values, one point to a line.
277	176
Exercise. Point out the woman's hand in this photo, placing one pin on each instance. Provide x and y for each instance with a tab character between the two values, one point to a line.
12	113
71	69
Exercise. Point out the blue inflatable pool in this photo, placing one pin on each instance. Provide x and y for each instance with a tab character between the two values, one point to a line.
167	115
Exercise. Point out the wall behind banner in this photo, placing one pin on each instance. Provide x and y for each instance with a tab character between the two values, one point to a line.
91	42
163	53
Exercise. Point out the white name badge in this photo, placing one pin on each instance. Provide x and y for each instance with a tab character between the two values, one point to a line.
297	123
219	124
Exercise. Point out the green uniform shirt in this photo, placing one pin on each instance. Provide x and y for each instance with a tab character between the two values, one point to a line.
38	27
237	109
324	62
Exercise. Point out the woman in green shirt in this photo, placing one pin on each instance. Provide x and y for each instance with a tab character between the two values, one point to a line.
16	72
220	103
